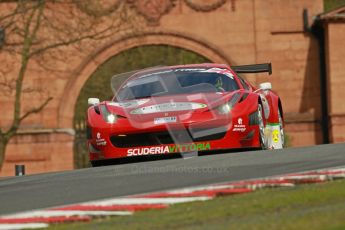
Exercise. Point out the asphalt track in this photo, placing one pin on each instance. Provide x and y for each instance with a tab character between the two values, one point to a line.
52	189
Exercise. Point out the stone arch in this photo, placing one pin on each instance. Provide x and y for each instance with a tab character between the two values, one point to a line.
84	71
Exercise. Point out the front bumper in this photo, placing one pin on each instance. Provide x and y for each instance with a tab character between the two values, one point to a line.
115	142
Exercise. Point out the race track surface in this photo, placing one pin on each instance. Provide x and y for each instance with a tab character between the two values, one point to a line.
53	189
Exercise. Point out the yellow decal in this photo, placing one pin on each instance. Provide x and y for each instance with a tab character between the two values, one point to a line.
275	135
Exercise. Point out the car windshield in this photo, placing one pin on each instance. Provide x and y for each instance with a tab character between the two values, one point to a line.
177	81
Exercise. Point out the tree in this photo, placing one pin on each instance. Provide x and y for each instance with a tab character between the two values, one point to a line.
39	31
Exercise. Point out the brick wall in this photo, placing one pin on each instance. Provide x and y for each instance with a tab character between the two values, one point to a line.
39	151
238	32
335	48
294	56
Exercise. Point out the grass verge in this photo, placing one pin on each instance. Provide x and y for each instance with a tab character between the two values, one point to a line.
319	206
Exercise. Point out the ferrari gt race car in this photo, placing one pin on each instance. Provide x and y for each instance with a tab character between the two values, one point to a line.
185	109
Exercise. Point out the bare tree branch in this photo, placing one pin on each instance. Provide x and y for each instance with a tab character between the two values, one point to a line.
98	35
58	44
38	31
36	110
25	58
15	12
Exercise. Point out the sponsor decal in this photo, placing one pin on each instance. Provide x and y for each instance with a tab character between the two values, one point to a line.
99	140
189	70
239	127
171	71
275	136
240	121
169	149
169	107
164	120
129	104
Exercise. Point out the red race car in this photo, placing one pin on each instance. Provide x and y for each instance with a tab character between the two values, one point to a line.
185	109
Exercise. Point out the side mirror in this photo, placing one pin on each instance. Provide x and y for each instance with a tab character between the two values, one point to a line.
266	86
92	101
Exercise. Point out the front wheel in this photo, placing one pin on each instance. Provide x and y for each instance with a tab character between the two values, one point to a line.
262	136
96	163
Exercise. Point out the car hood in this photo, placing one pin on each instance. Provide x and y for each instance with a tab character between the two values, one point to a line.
173	104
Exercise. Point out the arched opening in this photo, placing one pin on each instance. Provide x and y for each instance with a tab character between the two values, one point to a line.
98	84
119	45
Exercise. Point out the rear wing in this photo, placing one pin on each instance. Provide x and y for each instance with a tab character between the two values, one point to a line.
255	68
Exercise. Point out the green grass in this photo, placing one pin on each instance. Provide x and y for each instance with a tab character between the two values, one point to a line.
320	206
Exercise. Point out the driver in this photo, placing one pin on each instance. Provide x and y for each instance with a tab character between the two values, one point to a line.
219	85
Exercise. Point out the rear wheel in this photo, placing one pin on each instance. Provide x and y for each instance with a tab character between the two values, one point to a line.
262	137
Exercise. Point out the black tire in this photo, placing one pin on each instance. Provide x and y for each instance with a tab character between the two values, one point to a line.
96	163
262	138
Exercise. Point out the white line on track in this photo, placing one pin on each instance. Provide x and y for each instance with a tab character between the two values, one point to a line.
200	188
250	184
67	213
329	174
22	226
129	201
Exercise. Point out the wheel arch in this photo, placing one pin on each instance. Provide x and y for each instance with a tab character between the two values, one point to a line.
280	107
275	105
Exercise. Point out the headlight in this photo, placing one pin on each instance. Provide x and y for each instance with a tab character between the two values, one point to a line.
111	118
227	107
224	109
108	116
